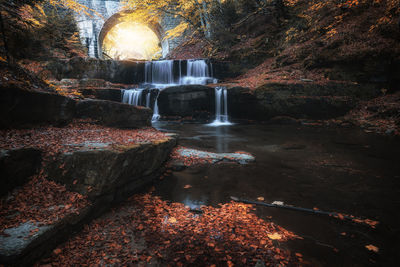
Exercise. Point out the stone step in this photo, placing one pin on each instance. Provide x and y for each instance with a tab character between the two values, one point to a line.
81	178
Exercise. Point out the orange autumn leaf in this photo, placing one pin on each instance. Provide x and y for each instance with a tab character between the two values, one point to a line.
275	236
372	248
57	251
172	220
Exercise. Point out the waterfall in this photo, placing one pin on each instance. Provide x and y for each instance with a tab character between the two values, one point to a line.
161	74
221	107
148	99
132	97
198	72
156	114
197	68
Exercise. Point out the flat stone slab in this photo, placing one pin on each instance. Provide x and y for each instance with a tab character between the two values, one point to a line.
190	156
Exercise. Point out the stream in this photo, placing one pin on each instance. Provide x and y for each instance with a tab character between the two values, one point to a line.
341	170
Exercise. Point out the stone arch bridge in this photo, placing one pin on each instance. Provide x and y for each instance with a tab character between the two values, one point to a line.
93	29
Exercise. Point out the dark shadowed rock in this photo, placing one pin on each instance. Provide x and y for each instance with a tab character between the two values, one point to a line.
23	108
196	101
298	101
103	94
114	114
16	166
128	72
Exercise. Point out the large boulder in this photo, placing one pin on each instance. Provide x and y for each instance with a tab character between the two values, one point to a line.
110	170
25	108
16	166
196	101
114	114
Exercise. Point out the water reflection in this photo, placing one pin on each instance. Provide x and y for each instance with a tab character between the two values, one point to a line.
221	141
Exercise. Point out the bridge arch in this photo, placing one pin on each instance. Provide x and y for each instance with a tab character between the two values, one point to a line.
93	29
119	18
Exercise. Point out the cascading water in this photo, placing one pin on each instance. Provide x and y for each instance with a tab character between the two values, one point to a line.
160	75
159	72
148	99
198	72
133	97
156	114
221	107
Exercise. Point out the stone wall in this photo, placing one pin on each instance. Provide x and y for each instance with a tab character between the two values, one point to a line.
91	26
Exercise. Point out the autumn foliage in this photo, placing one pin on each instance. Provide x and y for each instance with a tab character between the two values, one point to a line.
229	235
41	202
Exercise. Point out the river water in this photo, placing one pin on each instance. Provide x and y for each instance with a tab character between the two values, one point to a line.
341	170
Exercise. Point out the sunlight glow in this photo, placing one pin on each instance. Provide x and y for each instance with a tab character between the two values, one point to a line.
130	40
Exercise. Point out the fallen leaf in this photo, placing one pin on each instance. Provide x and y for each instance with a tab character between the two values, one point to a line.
172	220
372	248
57	251
275	236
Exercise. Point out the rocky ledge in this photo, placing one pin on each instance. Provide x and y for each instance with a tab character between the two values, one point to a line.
86	168
305	100
27	108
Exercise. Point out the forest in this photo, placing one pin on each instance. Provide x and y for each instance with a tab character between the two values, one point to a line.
199	132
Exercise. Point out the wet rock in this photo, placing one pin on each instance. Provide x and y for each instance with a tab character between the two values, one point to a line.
199	157
114	114
195	101
16	166
23	108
